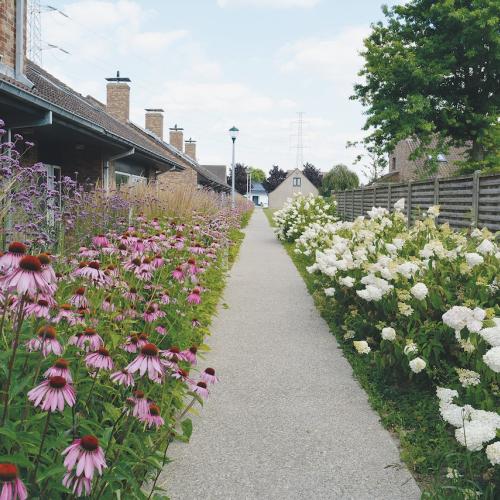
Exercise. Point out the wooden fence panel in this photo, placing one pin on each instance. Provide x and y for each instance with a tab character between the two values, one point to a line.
465	201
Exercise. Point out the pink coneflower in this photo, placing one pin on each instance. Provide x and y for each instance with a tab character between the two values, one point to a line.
100	241
86	454
148	361
158	261
144	273
191	266
79	485
138	246
11	258
190	354
12	488
133	265
181	374
46	342
112	271
161	330
194	296
91	339
52	393
209	376
201	389
122	377
173	353
66	313
47	270
92	271
60	369
131	343
178	274
78	299
195	323
26	278
141	405
152	313
88	253
196	249
131	294
153	417
99	359
165	298
107	305
38	309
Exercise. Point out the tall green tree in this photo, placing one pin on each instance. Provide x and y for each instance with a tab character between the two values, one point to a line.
432	71
258	175
313	174
339	178
275	178
240	178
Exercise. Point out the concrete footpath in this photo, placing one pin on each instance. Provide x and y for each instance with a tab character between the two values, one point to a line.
287	420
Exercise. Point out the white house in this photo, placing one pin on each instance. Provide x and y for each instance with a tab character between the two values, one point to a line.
259	195
295	182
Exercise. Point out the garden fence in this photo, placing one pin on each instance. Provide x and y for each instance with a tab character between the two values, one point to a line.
472	200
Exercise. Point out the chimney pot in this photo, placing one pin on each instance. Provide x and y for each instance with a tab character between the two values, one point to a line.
154	121
118	97
190	150
177	138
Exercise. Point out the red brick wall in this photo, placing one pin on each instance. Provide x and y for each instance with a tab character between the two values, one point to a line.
8	32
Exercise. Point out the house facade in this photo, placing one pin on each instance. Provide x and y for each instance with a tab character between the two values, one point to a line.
403	169
295	182
79	136
258	195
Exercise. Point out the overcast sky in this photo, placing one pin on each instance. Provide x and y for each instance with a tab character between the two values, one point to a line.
212	64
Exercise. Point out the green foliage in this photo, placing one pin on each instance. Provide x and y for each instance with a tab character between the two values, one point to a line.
313	174
240	179
275	178
258	175
431	71
339	178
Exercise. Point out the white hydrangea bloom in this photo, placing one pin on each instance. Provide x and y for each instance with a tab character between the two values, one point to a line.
388	333
473	259
419	291
468	377
446	395
455	415
348	281
492	334
400	205
408	269
362	346
474	434
410	348
330	292
433	211
486	247
492	359
417	365
493	453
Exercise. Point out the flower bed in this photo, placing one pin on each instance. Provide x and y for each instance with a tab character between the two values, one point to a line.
420	305
99	353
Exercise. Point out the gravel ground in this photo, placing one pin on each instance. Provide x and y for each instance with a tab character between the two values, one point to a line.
287	420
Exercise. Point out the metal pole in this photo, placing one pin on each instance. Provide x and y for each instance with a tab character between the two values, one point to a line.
232	178
250	183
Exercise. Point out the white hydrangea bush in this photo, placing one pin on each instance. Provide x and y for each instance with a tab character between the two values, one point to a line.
422	303
299	212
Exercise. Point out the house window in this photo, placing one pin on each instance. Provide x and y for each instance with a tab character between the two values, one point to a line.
393	163
124	179
296	181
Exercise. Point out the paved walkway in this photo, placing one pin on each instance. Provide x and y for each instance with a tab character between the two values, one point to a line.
287	420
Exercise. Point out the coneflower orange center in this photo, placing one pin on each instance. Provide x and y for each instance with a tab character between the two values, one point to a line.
44	259
95	265
193	349
89	332
139	394
149	350
210	371
103	351
17	247
57	382
136	262
89	443
202	385
154	410
61	363
80	291
8	472
174	350
30	263
43	303
47	332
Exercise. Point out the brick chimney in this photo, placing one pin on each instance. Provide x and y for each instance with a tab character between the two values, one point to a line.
118	97
154	121
177	138
13	16
190	150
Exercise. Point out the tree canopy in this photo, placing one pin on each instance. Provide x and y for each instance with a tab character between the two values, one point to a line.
431	71
258	175
275	178
313	174
240	178
339	178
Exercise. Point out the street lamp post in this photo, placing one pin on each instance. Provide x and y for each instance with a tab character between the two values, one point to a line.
233	133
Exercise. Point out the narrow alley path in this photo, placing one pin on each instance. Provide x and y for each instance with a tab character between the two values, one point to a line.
287	420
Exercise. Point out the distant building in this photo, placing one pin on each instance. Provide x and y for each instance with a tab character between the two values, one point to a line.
259	195
403	169
295	182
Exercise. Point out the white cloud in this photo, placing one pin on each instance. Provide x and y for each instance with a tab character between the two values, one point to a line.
276	4
336	59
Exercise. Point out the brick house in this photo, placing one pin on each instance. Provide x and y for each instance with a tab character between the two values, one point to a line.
403	169
78	135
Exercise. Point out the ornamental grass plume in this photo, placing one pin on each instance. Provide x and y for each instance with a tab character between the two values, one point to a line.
52	394
12	488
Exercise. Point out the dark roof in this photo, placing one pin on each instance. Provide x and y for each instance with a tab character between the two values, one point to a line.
54	92
257	187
